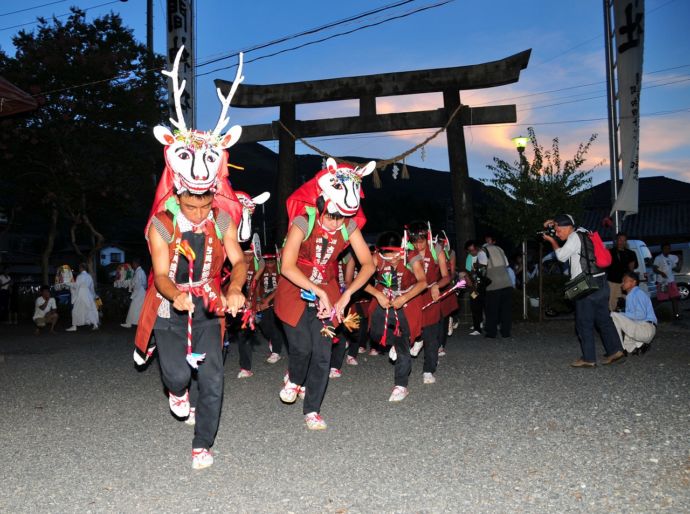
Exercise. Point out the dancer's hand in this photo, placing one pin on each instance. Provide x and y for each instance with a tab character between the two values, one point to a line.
323	305
435	292
234	300
399	302
383	300
341	305
183	302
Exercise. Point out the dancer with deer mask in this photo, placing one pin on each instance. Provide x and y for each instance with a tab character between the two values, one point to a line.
395	314
191	228
325	217
436	271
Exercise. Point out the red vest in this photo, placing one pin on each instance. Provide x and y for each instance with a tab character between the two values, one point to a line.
317	259
431	314
213	248
405	279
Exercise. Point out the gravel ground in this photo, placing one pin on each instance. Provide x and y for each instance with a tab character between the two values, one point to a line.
508	427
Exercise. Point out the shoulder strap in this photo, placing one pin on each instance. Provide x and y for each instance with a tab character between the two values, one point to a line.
583	246
311	220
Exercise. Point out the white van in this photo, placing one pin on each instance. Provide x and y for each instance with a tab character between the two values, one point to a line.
644	261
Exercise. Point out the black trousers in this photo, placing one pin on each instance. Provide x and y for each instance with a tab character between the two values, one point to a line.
244	337
403	363
309	358
498	306
477	308
592	313
431	336
272	328
176	374
353	339
245	347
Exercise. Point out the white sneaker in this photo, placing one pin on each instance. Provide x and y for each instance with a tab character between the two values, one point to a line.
441	352
335	373
245	373
416	348
362	350
392	354
314	421
126	325
374	352
71	329
429	378
288	394
179	405
475	333
191	420
201	458
94	327
399	394
351	361
273	358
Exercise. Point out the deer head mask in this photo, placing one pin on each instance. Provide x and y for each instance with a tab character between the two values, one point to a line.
197	159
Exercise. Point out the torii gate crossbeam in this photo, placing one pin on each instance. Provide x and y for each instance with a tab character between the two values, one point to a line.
366	88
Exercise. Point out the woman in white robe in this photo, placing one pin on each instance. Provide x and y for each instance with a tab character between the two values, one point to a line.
84	309
139	283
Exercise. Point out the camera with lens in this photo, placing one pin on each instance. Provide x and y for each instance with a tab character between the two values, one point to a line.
550	231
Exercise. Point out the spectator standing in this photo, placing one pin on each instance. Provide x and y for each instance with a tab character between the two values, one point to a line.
45	311
591	311
84	309
666	287
622	260
139	284
499	293
637	325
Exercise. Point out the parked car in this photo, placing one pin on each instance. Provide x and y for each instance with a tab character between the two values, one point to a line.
644	264
682	272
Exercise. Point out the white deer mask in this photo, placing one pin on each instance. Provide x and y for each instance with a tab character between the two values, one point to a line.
244	229
341	186
197	158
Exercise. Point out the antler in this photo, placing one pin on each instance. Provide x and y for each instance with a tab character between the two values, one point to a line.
225	100
178	89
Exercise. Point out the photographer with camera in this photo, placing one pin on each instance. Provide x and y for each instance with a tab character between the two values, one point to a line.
591	310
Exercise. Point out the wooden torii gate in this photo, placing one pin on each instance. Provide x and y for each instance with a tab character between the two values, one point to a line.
366	88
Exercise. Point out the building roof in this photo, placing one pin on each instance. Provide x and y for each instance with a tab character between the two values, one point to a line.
664	210
13	100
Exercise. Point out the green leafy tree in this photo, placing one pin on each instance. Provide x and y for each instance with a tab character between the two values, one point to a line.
84	158
525	194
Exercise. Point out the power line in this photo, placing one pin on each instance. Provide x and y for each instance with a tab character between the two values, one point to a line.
32	8
120	77
61	15
306	32
333	36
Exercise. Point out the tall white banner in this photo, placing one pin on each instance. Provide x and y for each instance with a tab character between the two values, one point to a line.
628	19
180	25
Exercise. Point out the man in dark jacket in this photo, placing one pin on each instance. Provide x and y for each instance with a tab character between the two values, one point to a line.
622	260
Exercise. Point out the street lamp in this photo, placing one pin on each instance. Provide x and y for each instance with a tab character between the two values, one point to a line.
520	144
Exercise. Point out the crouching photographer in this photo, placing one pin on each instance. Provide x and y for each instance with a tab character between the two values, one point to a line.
588	289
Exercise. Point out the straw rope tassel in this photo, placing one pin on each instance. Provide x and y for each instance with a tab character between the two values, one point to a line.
377	179
405	173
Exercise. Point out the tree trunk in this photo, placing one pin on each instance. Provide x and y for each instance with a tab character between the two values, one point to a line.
98	240
50	242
